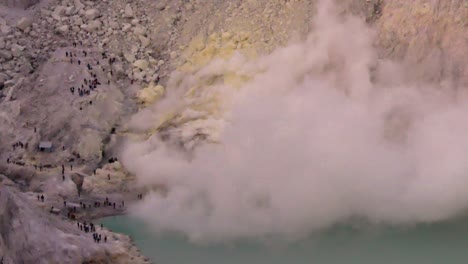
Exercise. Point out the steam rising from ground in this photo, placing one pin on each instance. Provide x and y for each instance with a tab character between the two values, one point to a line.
312	142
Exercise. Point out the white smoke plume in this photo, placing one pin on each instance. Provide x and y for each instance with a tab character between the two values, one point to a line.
314	140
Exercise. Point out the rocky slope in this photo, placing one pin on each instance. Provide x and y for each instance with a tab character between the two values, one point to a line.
29	234
147	42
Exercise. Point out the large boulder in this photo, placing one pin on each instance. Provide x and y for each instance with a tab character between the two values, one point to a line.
150	94
59	11
6	55
92	14
63	29
17	50
141	64
94	25
128	11
24	23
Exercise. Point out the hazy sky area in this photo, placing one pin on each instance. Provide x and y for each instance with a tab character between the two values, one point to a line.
310	142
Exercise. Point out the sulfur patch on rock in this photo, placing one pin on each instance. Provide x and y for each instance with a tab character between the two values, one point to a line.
150	94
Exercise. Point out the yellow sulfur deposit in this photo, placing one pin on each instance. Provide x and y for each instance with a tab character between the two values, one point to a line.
150	94
202	51
211	71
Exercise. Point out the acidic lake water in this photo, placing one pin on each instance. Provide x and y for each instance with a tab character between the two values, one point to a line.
441	243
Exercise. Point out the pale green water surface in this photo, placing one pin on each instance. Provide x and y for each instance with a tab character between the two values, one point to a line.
442	243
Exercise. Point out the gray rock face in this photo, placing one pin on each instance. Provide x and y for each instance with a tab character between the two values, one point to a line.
23	4
30	235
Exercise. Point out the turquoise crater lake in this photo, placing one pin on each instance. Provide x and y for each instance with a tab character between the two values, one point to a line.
441	243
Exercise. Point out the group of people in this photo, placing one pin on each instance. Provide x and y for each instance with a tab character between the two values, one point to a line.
97	238
88	85
40	198
88	228
91	86
20	144
85	227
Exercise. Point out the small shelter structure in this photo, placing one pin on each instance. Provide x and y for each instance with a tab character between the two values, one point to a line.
45	146
54	210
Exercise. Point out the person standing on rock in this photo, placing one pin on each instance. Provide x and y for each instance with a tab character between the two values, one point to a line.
42	198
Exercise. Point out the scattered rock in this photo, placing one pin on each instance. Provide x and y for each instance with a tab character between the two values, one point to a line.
58	12
5	29
25	68
141	64
128	11
4	54
139	31
24	23
94	25
78	5
129	57
126	27
3	78
70	11
144	41
114	25
78	21
92	14
16	50
173	55
63	29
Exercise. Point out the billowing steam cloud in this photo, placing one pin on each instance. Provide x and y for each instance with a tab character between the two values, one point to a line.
311	142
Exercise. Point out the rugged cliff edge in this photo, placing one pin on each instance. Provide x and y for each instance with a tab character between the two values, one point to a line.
29	234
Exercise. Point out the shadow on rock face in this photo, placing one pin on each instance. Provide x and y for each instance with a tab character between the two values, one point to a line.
78	179
23	4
